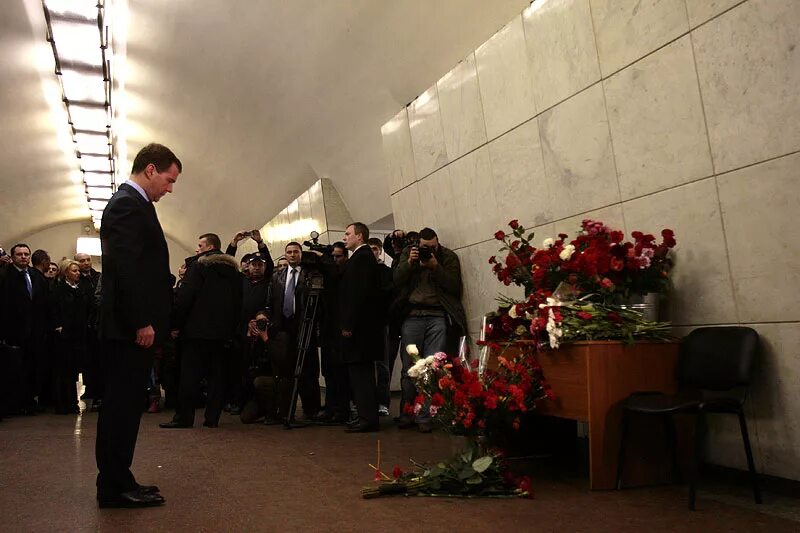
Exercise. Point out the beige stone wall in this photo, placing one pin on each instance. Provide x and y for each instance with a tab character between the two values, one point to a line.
650	114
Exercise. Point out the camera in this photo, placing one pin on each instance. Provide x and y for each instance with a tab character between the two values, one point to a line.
262	324
313	244
425	253
2	252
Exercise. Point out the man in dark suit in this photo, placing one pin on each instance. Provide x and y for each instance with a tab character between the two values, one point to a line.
286	304
24	296
360	322
135	303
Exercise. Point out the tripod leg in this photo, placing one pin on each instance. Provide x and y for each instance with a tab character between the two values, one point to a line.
303	342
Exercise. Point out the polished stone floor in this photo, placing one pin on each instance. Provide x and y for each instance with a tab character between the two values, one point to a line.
257	478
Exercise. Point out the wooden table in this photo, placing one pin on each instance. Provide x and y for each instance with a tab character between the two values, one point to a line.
590	379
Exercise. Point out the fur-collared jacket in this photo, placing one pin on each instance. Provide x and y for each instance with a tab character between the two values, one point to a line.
209	301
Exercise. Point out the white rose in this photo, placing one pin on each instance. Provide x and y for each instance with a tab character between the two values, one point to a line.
430	359
548	242
412	350
513	311
567	252
413	372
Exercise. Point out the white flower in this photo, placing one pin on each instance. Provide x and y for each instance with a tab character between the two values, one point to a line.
512	312
567	252
553	331
551	302
412	350
429	360
548	242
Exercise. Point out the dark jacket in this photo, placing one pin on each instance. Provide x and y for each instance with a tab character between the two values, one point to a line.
277	286
263	251
136	289
23	319
254	299
209	301
446	279
88	284
70	307
360	308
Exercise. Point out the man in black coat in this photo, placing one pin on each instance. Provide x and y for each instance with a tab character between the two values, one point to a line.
206	316
286	304
92	365
135	304
24	297
360	322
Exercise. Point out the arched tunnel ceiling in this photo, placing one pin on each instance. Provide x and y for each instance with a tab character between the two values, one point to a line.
258	98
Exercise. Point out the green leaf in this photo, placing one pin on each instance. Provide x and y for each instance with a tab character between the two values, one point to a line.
466	472
467	455
475	480
481	464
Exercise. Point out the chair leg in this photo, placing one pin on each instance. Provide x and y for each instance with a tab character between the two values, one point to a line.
621	454
749	452
672	446
696	454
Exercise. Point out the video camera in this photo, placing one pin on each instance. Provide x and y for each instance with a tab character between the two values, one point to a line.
313	244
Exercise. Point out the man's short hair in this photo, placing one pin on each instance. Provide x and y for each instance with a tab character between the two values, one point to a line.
359	228
340	244
293	243
20	245
427	234
212	239
39	256
374	241
157	154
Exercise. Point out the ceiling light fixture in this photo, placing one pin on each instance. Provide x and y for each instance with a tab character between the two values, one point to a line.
79	34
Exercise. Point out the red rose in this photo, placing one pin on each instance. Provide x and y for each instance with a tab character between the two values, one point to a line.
614	317
397	472
607	283
499	235
437	400
514	224
583	315
525	485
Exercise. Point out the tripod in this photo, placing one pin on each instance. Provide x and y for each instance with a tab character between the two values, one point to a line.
303	342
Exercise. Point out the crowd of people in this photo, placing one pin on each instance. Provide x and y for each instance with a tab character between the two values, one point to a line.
238	330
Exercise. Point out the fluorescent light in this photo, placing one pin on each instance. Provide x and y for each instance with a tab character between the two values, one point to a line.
95	163
80	87
97	205
89	245
89	143
95	179
100	193
81	8
89	118
79	42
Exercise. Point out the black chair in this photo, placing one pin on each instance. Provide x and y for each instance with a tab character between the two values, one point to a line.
714	368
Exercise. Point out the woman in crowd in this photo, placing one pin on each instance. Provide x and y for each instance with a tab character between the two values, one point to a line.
70	316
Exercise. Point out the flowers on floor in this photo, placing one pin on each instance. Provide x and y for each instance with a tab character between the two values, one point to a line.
576	290
471	473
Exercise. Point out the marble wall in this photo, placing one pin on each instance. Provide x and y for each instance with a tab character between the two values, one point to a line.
649	114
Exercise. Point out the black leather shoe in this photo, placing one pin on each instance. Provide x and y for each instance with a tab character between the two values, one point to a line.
172	424
132	499
361	427
148	489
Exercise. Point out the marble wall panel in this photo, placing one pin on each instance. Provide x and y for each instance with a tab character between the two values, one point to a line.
776	404
561	47
407	208
757	202
657	122
427	136
519	181
439	207
578	160
337	215
461	109
317	206
748	62
702	10
397	151
476	214
628	30
703	292
505	79
611	216
304	206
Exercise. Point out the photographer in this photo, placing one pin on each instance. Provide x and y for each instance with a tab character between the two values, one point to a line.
263	250
428	280
261	385
397	241
286	304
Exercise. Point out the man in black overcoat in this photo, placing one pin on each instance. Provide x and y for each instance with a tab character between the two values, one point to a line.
135	304
360	321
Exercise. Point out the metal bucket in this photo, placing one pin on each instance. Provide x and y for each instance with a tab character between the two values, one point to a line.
646	305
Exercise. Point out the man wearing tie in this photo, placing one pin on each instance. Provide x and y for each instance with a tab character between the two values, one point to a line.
136	298
23	323
286	302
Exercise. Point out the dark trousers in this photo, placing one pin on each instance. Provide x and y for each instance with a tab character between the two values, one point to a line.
286	363
202	357
362	386
127	369
92	366
65	357
383	369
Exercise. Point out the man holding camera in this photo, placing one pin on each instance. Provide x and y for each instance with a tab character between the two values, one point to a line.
428	280
263	250
286	305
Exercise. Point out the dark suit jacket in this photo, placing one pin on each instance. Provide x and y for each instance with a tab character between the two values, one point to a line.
136	289
360	308
22	318
275	297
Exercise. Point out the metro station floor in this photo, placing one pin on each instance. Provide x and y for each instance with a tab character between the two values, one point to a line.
258	478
